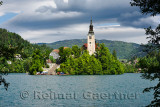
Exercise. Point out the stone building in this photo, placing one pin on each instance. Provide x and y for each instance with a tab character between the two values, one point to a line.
55	54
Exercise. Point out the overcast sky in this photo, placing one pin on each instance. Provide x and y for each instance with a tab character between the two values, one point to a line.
53	20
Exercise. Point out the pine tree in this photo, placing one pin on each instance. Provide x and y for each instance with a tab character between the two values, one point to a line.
114	54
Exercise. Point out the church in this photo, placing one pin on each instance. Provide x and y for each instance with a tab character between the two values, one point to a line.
91	43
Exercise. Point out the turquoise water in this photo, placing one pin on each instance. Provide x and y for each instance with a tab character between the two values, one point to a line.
76	91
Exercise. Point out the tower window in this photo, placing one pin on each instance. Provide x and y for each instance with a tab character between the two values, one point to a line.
90	37
89	42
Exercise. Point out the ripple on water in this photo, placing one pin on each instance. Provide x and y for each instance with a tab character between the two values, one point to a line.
126	83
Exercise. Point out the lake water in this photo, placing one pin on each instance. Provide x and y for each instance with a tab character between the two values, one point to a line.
76	91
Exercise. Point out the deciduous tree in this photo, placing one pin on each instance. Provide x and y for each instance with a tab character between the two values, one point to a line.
36	65
3	72
76	51
151	7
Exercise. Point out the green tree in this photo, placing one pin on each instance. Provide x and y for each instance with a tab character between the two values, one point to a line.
110	65
130	68
1	2
151	7
84	65
103	63
76	51
36	65
64	54
96	67
114	54
52	59
61	54
27	64
2	71
105	58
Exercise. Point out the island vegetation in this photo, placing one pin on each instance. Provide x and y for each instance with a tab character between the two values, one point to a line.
75	61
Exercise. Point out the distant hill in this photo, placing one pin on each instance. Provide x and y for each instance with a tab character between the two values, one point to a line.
124	50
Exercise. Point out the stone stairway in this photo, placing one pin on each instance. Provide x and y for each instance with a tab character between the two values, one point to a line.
52	71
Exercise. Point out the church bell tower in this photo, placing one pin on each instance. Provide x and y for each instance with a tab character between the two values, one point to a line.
91	40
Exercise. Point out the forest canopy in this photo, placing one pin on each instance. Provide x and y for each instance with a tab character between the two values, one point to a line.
102	63
12	46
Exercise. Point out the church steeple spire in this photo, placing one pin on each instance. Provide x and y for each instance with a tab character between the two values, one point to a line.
91	20
91	39
91	28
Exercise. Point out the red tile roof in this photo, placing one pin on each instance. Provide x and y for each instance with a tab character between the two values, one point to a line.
65	47
57	50
85	45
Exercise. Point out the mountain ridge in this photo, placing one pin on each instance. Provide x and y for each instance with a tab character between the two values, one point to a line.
124	50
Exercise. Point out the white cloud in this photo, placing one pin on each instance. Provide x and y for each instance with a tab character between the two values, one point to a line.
140	40
148	21
66	1
25	6
80	31
107	25
58	15
52	20
1	13
127	34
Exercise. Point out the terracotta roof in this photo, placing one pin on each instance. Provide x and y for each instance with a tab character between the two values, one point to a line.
65	47
86	45
56	50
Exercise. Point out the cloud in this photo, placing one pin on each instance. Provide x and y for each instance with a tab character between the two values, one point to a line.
64	19
148	21
42	21
135	19
66	1
80	31
1	14
59	13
